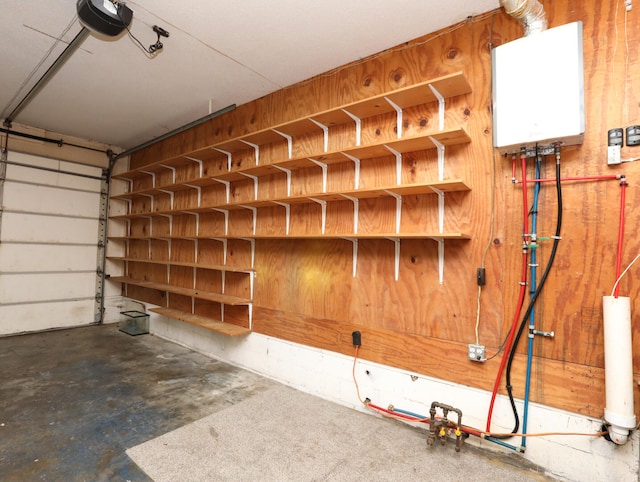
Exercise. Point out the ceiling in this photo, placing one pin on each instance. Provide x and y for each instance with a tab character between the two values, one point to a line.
219	53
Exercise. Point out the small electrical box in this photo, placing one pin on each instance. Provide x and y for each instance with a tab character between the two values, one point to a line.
477	353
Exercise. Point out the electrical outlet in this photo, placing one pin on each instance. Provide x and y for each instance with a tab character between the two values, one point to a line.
477	353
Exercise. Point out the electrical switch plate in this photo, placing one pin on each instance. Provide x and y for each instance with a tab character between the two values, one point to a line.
613	155
477	353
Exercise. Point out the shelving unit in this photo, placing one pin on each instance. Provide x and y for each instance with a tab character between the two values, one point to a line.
162	190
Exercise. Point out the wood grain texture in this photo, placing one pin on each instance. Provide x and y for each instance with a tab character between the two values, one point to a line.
305	291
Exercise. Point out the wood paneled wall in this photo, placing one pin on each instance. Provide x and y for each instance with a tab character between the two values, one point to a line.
304	289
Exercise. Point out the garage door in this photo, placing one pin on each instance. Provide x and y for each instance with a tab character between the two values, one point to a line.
49	230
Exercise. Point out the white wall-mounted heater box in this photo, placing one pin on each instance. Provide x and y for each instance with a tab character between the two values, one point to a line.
538	90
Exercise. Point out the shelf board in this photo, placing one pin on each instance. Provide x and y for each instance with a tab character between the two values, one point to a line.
451	185
193	293
429	235
450	85
446	137
214	267
228	329
425	235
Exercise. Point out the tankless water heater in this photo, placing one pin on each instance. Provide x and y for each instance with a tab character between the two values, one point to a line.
538	90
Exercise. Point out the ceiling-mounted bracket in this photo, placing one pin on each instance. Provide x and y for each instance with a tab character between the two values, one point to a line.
153	48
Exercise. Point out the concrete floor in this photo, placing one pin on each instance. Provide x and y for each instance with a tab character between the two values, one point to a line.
72	401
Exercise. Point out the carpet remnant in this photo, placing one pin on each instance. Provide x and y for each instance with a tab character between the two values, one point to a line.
283	434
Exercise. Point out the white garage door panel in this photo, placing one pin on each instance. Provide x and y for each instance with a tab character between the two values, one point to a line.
28	174
31	228
40	257
44	316
50	200
48	244
25	288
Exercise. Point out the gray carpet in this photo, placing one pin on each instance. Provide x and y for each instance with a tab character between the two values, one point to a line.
286	435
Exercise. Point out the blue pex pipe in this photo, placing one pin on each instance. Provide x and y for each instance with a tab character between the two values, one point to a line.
532	323
490	439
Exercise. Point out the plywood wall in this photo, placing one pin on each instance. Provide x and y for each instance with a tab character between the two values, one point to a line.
305	291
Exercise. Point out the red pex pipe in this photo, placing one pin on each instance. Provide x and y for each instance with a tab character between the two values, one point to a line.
581	178
623	189
523	289
463	428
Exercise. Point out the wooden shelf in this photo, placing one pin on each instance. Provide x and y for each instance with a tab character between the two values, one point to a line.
447	137
447	86
450	185
228	329
389	235
160	193
215	267
193	293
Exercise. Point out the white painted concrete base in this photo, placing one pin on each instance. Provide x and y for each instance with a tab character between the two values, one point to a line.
329	375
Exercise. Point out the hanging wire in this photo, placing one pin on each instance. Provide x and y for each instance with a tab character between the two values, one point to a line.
39	65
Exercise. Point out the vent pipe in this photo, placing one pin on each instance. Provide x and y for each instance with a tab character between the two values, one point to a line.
530	13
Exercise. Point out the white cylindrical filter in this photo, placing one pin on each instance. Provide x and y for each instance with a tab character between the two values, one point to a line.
618	367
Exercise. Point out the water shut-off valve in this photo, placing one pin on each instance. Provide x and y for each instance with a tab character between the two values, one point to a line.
440	428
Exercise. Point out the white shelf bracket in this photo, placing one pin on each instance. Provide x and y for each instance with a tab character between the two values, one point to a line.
253	252
153	177
250	309
398	198
195	283
129	203
170	222
224	249
440	242
197	215
226	219
129	185
199	162
227	186
256	149
199	190
440	147
150	197
223	279
354	242
356	176
358	122
356	210
289	141
288	173
150	225
325	132
173	172
440	106
171	196
287	212
396	242
398	110
222	312
255	184
254	210
440	208
196	249
322	166
229	157
398	155
323	205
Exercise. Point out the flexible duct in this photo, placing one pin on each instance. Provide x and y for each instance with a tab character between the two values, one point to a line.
529	12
